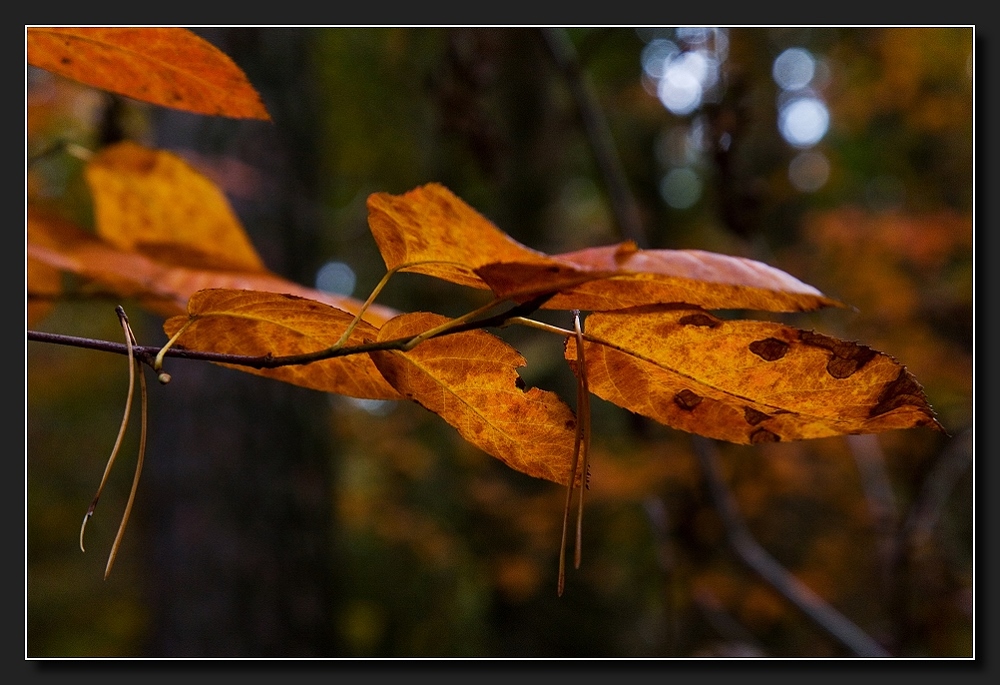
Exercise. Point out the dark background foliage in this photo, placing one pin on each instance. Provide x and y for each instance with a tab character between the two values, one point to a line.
276	521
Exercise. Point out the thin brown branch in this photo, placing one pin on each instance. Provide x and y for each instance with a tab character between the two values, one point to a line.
726	625
657	515
937	486
875	483
147	354
771	571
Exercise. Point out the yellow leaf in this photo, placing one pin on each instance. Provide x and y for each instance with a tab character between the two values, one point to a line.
256	324
746	381
470	380
170	67
152	201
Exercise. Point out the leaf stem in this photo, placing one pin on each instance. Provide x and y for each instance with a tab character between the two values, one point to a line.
542	326
375	293
158	361
449	325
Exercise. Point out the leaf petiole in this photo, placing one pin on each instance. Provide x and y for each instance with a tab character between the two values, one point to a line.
375	293
548	328
158	362
450	324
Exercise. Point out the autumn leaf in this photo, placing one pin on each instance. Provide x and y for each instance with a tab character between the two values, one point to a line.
258	323
746	381
431	224
170	67
470	380
621	276
153	202
163	288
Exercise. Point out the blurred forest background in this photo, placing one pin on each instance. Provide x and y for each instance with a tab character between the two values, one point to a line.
275	521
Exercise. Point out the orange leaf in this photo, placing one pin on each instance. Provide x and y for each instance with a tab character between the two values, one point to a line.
161	287
152	201
470	380
746	381
256	324
170	67
431	223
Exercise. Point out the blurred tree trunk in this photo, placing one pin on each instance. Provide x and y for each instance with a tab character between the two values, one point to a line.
238	483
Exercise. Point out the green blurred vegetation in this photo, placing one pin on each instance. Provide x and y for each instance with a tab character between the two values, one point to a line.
437	550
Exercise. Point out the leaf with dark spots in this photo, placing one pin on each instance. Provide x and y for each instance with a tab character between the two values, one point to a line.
904	390
763	435
754	416
700	319
686	399
754	381
769	349
846	357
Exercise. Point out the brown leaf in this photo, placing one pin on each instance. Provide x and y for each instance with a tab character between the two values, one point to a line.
153	202
163	288
470	380
170	67
431	223
256	324
620	276
746	381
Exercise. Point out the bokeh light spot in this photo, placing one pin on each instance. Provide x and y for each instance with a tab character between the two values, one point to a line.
804	121
681	188
794	69
681	88
693	35
809	171
656	55
337	278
